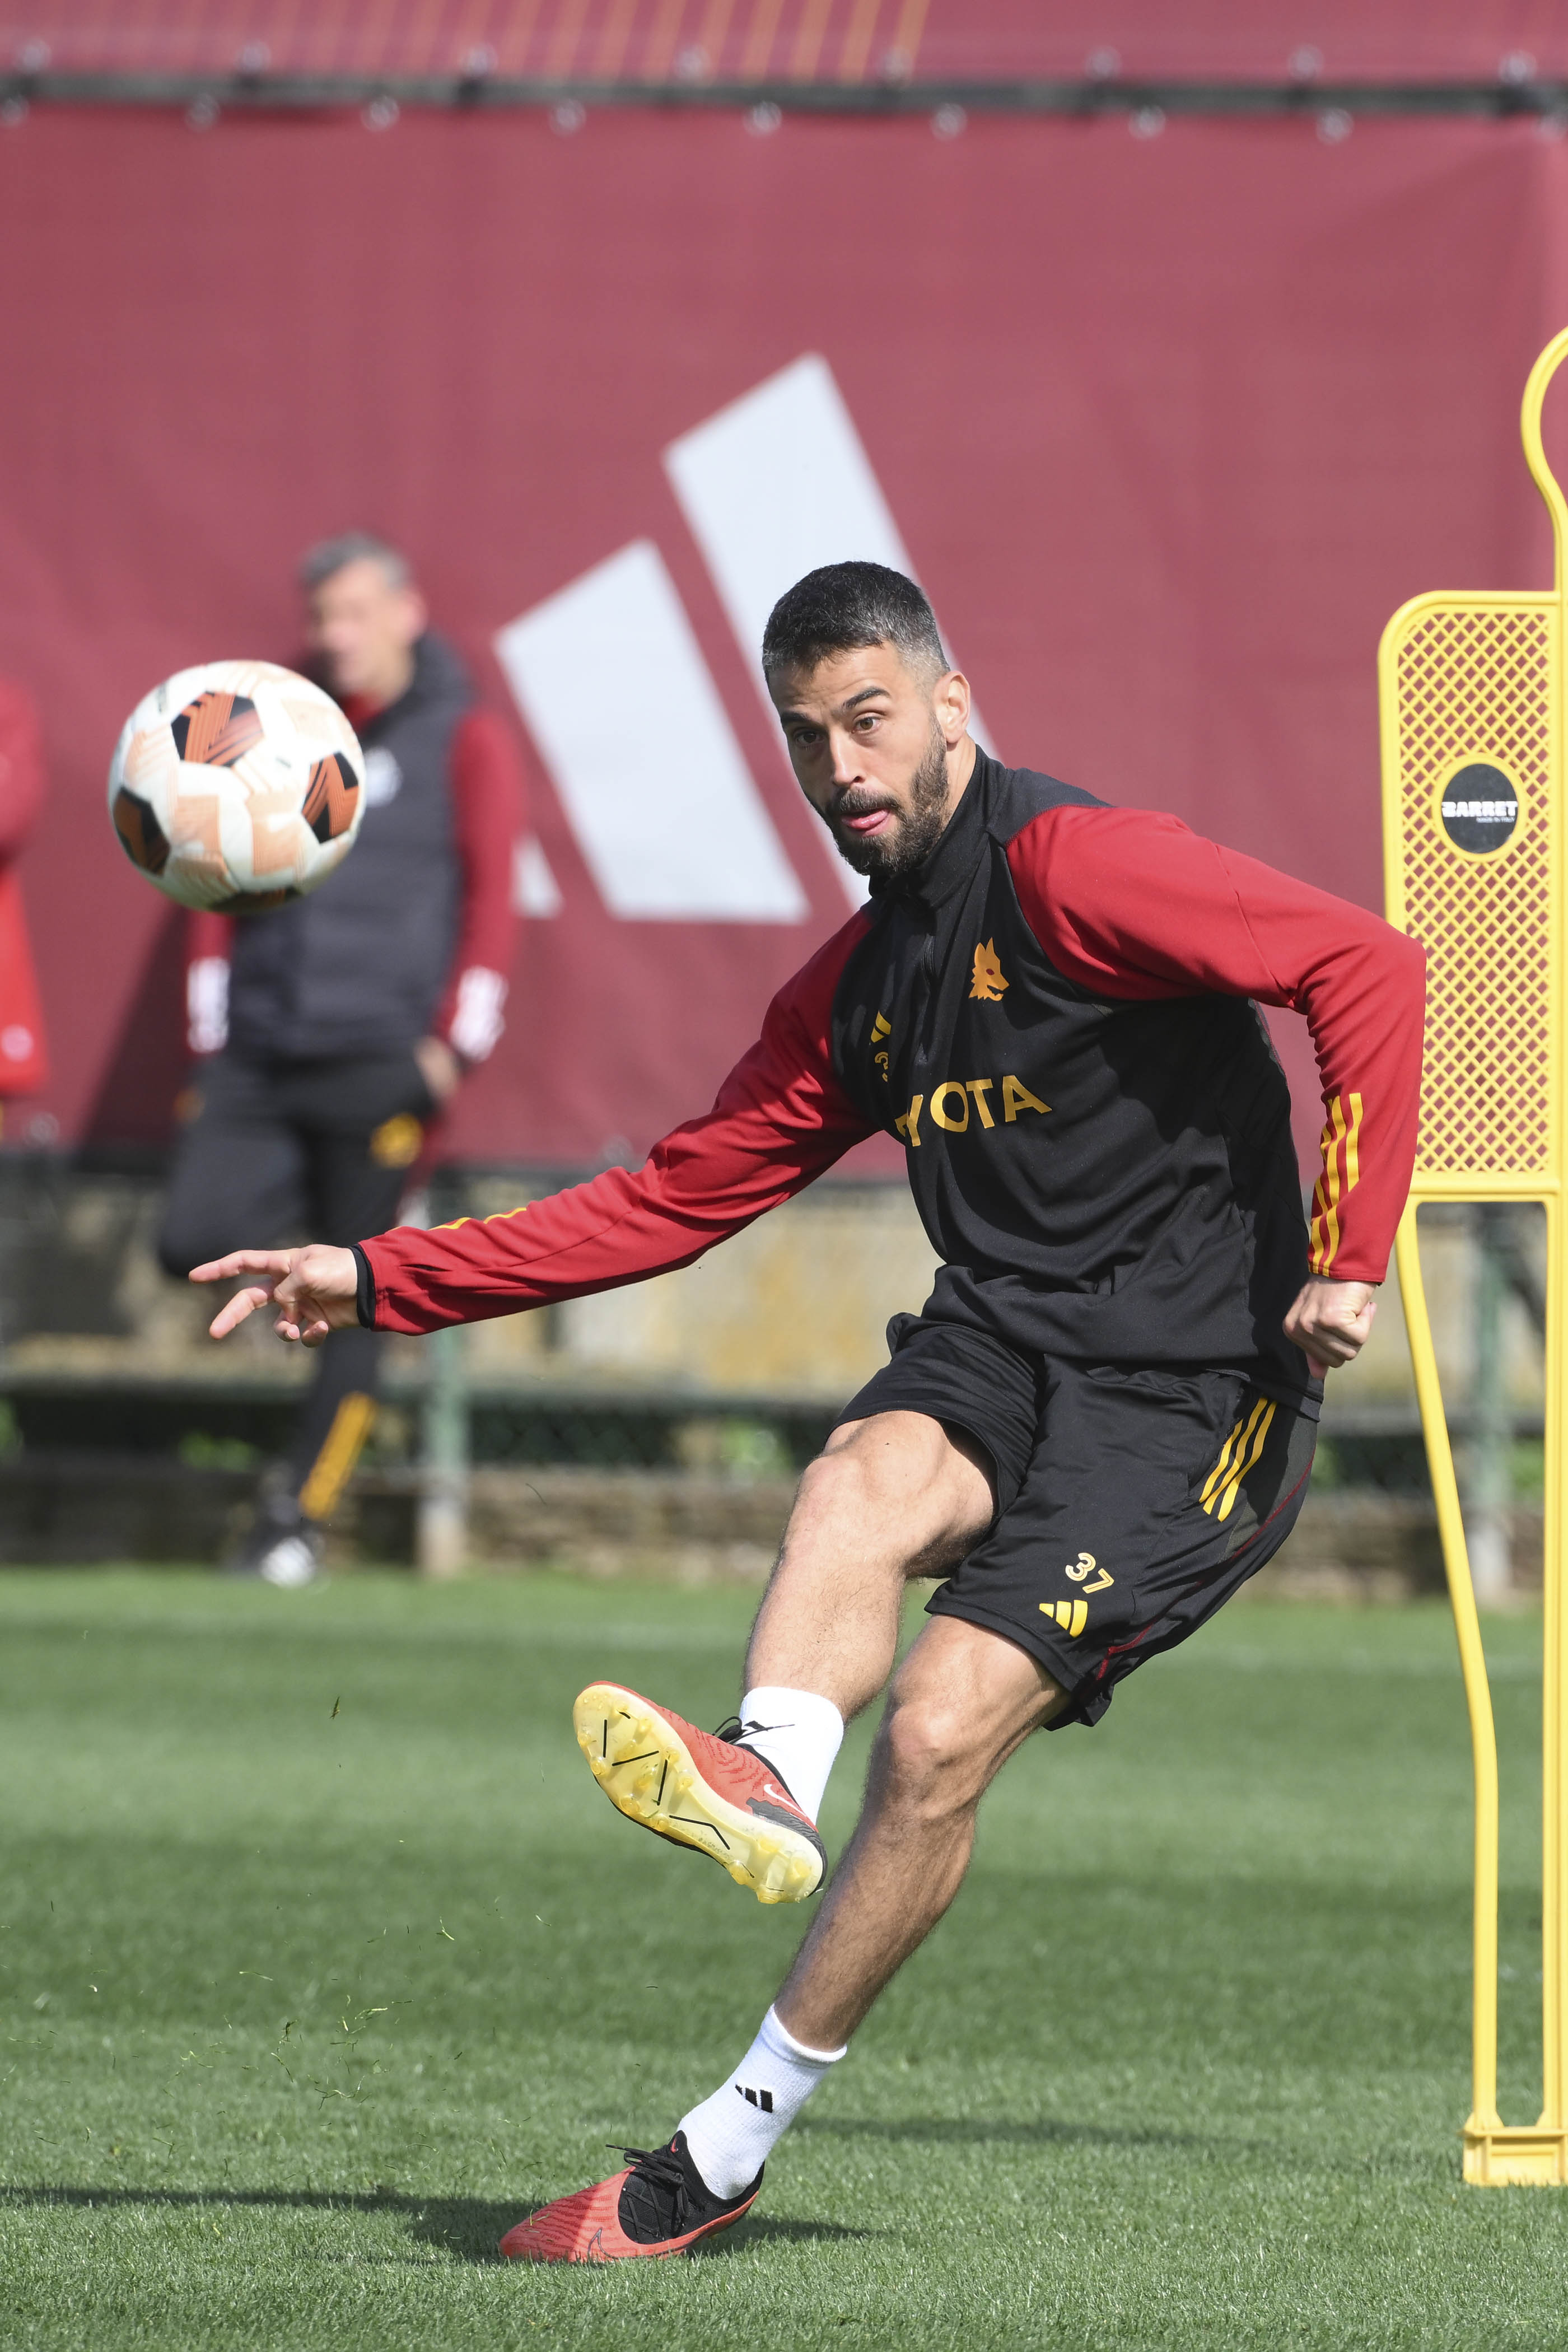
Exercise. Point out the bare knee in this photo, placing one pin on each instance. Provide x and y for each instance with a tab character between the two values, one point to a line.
926	1757
835	1475
903	1472
964	1699
909	1448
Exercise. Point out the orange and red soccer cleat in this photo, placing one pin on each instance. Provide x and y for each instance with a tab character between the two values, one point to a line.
661	2205
701	1790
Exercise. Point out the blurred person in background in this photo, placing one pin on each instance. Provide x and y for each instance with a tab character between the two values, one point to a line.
334	1030
23	1066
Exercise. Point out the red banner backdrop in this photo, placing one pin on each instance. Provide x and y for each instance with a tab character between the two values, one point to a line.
1168	425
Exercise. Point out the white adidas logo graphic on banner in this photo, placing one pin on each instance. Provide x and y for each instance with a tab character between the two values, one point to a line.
611	679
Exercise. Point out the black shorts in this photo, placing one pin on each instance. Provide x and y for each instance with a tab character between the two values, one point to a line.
1132	1501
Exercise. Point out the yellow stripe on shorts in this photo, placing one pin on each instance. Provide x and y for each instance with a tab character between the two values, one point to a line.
1218	1470
1246	1461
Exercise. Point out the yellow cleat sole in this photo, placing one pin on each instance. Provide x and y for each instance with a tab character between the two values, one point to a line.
648	1773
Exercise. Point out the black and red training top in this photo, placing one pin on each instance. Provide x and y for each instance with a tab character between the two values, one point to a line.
1058	1018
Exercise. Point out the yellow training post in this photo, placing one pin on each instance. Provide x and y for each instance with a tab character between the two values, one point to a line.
1474	828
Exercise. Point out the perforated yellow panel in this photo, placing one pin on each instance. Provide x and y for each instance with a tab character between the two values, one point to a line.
1475	781
1477	683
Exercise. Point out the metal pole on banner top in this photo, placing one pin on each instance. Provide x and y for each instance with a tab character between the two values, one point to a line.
1475	811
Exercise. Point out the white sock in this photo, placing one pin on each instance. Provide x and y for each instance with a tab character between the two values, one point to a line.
732	2136
798	1734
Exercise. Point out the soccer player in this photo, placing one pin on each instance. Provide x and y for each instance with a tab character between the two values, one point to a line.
1103	1420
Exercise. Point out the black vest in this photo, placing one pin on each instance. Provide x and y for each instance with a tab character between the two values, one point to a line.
359	965
1105	1180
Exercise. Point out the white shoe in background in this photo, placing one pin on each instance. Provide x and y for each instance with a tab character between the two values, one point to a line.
292	1560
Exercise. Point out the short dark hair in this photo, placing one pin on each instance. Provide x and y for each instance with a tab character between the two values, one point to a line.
330	556
842	606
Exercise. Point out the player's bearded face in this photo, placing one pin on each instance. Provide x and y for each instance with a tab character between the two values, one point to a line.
912	829
872	745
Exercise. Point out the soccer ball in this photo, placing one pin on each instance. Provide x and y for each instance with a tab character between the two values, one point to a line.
237	786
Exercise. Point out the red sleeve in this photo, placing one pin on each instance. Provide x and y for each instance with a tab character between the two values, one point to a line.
780	1119
21	768
488	805
1130	904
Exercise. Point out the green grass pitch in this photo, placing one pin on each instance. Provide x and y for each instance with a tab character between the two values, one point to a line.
324	1959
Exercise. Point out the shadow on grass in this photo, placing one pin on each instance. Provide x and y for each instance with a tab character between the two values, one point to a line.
964	2131
1422	2163
764	2226
470	2227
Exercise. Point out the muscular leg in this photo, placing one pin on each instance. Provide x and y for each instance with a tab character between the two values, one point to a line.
963	1701
896	1497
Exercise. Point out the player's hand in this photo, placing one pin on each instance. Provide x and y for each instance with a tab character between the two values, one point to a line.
1332	1321
315	1290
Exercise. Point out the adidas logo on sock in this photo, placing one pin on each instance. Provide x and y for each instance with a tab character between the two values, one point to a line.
764	2099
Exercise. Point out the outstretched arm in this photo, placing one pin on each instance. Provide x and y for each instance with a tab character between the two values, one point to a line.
781	1118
